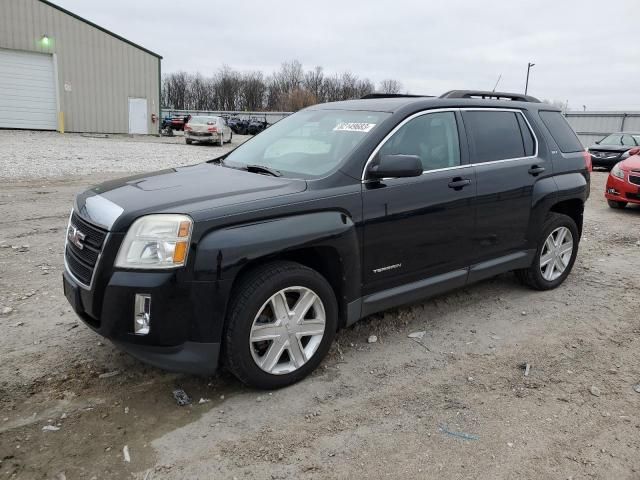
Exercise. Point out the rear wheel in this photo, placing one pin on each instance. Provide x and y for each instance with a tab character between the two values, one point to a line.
555	255
280	325
616	204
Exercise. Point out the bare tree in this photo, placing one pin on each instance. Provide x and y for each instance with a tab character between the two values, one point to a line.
253	92
390	86
313	82
288	89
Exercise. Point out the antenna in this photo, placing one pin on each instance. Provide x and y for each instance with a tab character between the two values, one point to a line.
496	85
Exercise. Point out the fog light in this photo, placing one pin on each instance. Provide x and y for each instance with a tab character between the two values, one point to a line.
142	317
613	191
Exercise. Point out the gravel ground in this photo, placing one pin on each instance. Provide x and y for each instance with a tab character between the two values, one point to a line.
27	154
454	404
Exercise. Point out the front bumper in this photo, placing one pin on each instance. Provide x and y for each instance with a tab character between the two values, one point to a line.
620	190
184	335
607	162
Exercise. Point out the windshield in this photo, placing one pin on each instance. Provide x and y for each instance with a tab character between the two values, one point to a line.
613	139
308	143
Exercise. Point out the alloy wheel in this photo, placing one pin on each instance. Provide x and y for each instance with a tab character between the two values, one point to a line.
287	330
556	253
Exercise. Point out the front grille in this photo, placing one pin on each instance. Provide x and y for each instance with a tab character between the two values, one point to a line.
605	155
635	179
81	262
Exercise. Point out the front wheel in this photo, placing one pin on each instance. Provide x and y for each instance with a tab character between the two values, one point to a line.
555	255
281	322
188	141
616	204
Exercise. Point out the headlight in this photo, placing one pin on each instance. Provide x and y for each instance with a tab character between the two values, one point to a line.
616	171
625	155
156	241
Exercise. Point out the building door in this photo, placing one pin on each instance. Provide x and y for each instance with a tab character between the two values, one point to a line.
27	90
138	115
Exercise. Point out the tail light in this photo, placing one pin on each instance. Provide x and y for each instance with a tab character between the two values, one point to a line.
587	161
212	129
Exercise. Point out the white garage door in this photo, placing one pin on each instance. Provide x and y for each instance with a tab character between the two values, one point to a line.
27	90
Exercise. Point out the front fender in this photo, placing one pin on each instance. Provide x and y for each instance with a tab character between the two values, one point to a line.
222	253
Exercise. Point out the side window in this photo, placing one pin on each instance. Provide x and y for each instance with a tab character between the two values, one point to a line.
494	135
433	137
527	137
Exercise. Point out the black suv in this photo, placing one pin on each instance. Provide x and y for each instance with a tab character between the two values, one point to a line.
254	260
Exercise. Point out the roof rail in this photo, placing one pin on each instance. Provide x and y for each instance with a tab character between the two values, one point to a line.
487	95
391	95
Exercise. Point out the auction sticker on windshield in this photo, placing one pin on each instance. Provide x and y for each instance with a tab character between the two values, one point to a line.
354	127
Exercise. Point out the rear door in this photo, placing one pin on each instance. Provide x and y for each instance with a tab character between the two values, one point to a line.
504	150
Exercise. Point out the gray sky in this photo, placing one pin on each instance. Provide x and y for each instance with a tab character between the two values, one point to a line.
586	52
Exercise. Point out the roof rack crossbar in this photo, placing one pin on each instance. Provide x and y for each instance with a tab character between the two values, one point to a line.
487	95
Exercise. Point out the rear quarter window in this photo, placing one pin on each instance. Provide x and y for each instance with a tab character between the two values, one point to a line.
561	132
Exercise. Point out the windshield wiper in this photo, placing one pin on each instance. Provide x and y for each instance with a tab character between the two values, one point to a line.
263	169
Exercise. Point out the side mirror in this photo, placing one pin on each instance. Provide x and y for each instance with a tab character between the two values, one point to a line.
397	166
634	151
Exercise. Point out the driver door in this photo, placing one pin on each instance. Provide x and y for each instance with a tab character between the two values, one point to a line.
421	228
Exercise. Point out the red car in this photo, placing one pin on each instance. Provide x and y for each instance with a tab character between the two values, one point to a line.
623	184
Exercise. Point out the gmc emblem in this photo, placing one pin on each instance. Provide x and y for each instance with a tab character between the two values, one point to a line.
76	237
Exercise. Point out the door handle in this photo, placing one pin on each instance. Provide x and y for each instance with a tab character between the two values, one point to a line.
536	170
458	183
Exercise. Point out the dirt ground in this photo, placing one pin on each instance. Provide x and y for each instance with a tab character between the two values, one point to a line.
454	404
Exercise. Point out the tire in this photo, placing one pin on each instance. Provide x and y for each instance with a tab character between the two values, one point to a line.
188	141
616	204
534	276
252	297
230	137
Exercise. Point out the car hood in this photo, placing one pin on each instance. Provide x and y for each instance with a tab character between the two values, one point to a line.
631	163
609	148
116	203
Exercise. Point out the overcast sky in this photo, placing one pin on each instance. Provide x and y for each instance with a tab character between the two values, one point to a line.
586	52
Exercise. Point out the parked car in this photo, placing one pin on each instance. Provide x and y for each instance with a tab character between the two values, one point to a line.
255	259
623	184
207	129
613	148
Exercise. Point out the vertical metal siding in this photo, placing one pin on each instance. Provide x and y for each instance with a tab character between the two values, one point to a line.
103	70
592	126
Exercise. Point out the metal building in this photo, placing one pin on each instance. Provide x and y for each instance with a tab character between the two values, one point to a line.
592	126
59	71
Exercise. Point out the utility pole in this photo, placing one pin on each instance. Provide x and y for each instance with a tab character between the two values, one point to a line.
526	86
